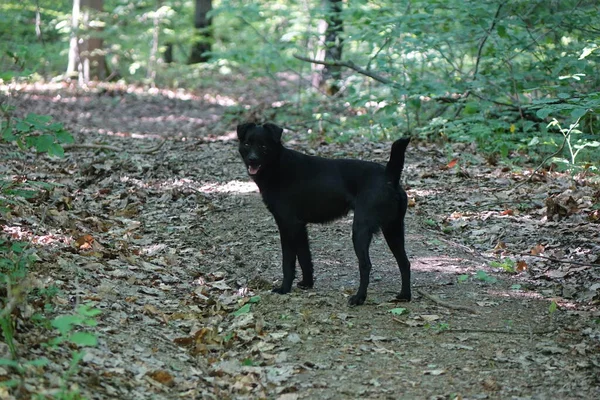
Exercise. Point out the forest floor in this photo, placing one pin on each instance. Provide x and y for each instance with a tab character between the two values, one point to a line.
175	247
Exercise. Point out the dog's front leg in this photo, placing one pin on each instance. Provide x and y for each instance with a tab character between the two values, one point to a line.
288	251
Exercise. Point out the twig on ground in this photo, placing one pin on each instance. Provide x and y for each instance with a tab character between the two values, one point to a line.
446	304
477	330
152	150
474	251
506	202
553	259
91	146
504	331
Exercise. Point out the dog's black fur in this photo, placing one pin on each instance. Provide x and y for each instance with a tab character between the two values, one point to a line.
300	189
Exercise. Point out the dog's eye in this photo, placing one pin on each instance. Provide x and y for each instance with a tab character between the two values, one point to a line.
263	147
246	144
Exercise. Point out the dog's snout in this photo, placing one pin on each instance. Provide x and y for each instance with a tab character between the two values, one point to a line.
252	157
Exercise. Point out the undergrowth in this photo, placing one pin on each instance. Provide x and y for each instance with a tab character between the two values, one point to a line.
24	301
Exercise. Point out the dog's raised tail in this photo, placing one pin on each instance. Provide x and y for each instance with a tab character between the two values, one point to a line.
394	167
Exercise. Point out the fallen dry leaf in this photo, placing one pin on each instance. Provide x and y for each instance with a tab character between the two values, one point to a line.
537	249
84	242
162	376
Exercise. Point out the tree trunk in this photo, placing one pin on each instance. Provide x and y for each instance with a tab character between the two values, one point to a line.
168	53
333	42
203	38
86	56
38	22
74	42
93	48
152	62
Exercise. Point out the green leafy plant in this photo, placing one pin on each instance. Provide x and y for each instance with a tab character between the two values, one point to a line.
16	257
553	307
479	275
20	368
69	328
398	311
67	325
34	131
431	223
14	261
13	192
507	264
245	309
440	327
247	362
575	142
484	277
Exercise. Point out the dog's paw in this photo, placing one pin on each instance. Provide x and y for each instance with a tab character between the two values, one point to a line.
356	300
305	284
403	297
280	290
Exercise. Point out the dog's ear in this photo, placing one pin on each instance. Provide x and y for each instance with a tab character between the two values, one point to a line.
243	128
274	130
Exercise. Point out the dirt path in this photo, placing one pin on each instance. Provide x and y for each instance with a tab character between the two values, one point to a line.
183	253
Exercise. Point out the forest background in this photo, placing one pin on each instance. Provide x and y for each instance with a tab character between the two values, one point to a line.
120	207
495	73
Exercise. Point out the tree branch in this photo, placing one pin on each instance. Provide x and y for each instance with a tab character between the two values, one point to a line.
352	66
485	38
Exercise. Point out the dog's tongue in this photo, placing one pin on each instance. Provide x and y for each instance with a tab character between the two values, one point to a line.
253	170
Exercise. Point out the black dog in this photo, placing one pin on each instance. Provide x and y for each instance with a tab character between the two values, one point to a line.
299	189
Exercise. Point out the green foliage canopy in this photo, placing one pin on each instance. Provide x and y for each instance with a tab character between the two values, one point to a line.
495	72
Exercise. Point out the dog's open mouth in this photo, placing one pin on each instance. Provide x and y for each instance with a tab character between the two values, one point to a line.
253	169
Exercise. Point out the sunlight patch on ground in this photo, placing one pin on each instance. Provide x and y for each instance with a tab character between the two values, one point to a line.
19	233
220	100
229	187
516	293
229	136
135	135
234	186
443	264
563	304
422	193
179	94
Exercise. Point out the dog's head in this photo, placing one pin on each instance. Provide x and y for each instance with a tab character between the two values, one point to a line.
260	146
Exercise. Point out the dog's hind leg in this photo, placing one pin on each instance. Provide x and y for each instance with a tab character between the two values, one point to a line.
394	236
362	233
304	259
